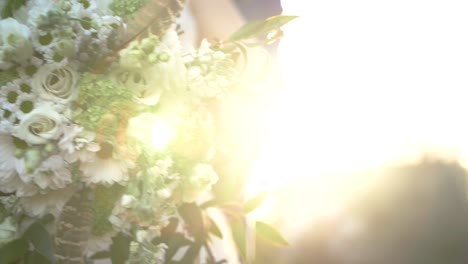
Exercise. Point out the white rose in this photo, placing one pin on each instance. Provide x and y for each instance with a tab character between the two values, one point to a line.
15	44
8	230
40	125
56	84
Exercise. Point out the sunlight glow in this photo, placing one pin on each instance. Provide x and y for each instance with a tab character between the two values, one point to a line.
367	84
161	135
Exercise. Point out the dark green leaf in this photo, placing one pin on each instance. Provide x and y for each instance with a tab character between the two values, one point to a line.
174	243
260	28
11	6
120	249
234	209
270	234
254	202
191	254
209	203
13	251
171	227
214	229
239	236
37	258
192	216
42	241
101	255
247	31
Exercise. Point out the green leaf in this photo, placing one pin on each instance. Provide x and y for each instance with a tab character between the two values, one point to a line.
101	255
234	209
13	251
41	240
254	202
171	228
214	229
260	28
174	243
239	236
192	216
120	249
36	258
192	253
270	234
11	6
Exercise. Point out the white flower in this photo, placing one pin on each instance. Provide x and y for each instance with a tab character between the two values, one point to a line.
109	170
56	84
99	243
29	13
195	136
142	236
7	159
161	169
103	6
40	125
164	193
15	44
127	201
8	230
12	168
77	144
202	178
172	41
170	74
52	173
51	202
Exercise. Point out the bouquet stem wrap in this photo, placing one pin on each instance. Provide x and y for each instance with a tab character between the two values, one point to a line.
74	228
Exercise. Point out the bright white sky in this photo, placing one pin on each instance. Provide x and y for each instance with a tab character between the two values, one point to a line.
367	83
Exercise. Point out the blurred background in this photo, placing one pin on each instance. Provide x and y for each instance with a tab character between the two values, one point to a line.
365	148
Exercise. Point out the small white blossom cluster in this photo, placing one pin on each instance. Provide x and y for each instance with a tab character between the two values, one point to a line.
62	122
43	46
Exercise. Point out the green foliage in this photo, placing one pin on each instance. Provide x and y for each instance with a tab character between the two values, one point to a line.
35	246
269	29
270	234
214	229
36	258
101	97
254	202
43	244
126	8
11	6
103	205
13	251
239	235
120	249
7	76
192	215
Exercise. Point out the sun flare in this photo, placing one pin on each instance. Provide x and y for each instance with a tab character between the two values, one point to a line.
364	88
161	135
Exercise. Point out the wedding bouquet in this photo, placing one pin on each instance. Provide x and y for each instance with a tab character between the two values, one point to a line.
107	130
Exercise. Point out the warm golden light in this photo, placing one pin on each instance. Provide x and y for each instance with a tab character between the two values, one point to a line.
161	135
367	84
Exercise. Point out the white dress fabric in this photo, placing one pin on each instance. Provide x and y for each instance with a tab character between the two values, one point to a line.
188	25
